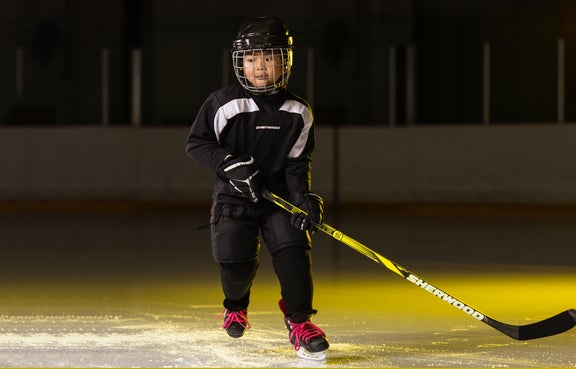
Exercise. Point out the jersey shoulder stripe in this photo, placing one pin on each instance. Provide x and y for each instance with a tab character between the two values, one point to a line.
229	111
293	106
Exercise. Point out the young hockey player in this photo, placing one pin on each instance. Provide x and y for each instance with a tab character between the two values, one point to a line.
257	135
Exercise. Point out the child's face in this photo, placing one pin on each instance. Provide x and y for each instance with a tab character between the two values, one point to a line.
262	68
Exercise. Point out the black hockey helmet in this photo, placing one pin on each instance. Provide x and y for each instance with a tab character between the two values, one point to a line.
262	33
256	36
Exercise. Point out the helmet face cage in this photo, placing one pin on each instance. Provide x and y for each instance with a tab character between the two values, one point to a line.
263	71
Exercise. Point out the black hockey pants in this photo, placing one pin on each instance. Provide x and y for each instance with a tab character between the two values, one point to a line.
236	246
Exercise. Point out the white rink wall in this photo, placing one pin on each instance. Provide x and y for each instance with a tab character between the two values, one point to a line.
498	163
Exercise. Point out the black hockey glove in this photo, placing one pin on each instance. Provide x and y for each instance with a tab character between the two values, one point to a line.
313	205
243	174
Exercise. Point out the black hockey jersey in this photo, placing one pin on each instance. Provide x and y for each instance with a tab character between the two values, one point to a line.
277	130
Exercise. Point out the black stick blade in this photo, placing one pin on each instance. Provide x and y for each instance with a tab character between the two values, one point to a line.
548	327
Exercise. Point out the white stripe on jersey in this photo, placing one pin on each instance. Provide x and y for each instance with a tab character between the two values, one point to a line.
293	106
230	110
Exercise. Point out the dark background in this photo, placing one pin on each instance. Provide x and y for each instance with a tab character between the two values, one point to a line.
184	43
57	47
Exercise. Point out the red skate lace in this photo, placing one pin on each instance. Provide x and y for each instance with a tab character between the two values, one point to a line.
304	332
235	317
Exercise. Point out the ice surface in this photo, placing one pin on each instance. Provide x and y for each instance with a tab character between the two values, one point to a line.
140	290
150	328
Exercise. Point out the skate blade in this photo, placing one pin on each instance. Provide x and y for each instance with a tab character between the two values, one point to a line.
314	356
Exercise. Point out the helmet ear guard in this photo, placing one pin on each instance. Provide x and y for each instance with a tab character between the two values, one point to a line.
258	36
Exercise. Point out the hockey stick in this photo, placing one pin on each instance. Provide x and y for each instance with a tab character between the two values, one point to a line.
548	327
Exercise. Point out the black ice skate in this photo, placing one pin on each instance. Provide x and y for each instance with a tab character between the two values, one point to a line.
235	323
308	339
